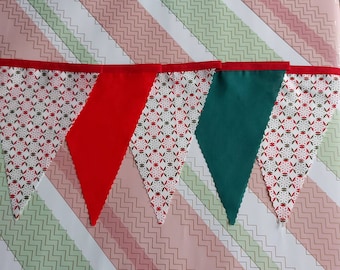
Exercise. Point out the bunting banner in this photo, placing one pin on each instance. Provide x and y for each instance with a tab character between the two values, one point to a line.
38	104
116	226
233	122
100	137
101	110
302	111
164	131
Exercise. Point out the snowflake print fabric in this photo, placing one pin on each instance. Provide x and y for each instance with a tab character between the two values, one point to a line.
164	131
38	107
302	111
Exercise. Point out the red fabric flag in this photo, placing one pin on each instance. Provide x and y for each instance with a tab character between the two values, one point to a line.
99	138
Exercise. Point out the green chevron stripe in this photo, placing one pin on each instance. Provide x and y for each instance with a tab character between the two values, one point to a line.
240	235
37	240
329	151
62	31
220	30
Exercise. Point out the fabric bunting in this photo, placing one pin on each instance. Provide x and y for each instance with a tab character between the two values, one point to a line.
164	132
232	124
303	109
38	106
100	137
101	110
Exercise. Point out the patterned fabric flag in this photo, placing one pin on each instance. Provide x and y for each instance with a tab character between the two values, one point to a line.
38	102
165	129
232	124
100	137
302	111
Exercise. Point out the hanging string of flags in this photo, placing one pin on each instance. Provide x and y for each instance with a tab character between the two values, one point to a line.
240	112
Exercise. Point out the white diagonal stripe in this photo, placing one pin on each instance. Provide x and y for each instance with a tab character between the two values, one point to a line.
260	223
198	164
263	31
177	30
89	32
7	258
326	180
275	239
221	233
48	31
75	229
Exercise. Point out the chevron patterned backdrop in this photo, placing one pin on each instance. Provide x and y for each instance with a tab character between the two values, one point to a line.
54	231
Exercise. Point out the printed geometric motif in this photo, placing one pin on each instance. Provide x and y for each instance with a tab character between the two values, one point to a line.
38	108
299	119
164	132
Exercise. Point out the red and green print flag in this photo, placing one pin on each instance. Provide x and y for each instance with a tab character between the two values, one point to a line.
164	131
100	137
38	104
302	111
232	124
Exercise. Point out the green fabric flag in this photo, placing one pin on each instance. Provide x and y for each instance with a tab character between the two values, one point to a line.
232	123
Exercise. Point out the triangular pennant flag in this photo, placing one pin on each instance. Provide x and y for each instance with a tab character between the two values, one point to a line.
232	125
165	129
38	106
100	137
304	106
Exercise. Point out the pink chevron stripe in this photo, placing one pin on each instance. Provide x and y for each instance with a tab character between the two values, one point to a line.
137	33
158	240
316	224
127	205
314	220
62	169
141	222
317	16
63	176
257	185
118	231
25	39
295	31
184	214
110	223
300	27
5	51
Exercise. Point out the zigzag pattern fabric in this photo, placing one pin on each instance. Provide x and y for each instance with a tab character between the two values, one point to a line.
196	233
